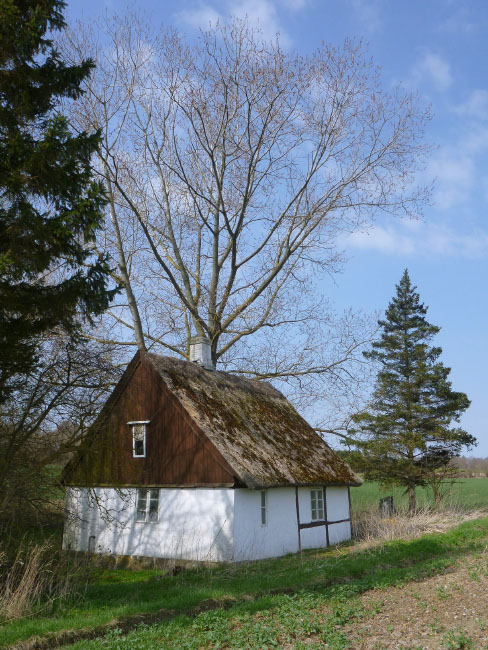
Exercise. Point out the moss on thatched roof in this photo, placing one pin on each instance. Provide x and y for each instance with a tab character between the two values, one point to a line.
255	428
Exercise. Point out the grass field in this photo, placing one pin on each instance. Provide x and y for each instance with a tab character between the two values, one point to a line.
465	493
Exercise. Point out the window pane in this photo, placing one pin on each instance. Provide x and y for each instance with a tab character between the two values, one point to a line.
138	447
141	505
141	496
263	508
139	439
317	504
153	506
320	504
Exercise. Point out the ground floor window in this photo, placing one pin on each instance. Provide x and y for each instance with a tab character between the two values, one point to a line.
147	506
317	503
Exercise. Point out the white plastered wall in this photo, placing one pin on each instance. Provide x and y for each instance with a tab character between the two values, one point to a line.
311	537
337	502
337	509
202	524
253	540
194	524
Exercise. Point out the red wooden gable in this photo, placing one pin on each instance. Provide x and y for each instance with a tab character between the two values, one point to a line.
177	452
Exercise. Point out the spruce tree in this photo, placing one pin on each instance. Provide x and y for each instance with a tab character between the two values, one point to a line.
405	436
50	207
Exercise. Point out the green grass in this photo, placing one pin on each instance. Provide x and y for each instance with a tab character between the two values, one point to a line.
469	493
326	575
316	614
270	622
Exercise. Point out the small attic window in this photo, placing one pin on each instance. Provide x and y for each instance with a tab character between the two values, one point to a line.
138	438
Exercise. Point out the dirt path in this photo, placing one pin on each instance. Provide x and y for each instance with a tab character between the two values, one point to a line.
447	612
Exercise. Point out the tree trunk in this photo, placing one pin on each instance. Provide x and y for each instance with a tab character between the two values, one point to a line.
436	490
412	498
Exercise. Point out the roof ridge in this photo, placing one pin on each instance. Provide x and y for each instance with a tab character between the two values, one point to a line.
198	370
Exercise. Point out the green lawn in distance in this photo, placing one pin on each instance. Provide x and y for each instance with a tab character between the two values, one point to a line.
468	492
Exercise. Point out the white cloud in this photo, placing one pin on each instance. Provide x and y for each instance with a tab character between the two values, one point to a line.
460	21
384	240
200	17
433	70
454	172
295	5
476	106
424	239
484	187
457	166
460	162
475	141
262	14
368	14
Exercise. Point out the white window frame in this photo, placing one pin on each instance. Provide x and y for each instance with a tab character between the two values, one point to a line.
151	495
317	504
264	508
133	425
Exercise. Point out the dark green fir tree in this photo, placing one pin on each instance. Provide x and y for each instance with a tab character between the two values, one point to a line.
406	436
50	207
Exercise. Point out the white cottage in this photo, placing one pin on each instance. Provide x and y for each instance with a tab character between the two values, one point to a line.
191	463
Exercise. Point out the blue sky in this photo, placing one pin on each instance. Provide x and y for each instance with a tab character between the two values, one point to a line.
440	49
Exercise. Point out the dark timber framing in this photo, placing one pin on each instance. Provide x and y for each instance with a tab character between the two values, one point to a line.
298	521
323	522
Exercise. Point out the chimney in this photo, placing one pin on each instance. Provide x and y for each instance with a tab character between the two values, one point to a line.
201	352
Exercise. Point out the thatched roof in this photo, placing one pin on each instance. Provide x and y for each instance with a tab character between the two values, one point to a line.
255	428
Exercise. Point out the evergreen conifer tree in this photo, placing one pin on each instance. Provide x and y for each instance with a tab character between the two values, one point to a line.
49	205
405	436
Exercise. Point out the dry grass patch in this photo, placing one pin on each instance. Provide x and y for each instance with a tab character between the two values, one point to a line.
38	578
368	528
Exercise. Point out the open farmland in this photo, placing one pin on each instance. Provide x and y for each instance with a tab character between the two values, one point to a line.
466	493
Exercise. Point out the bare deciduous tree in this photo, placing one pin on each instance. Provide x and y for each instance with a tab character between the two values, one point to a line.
232	166
45	420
